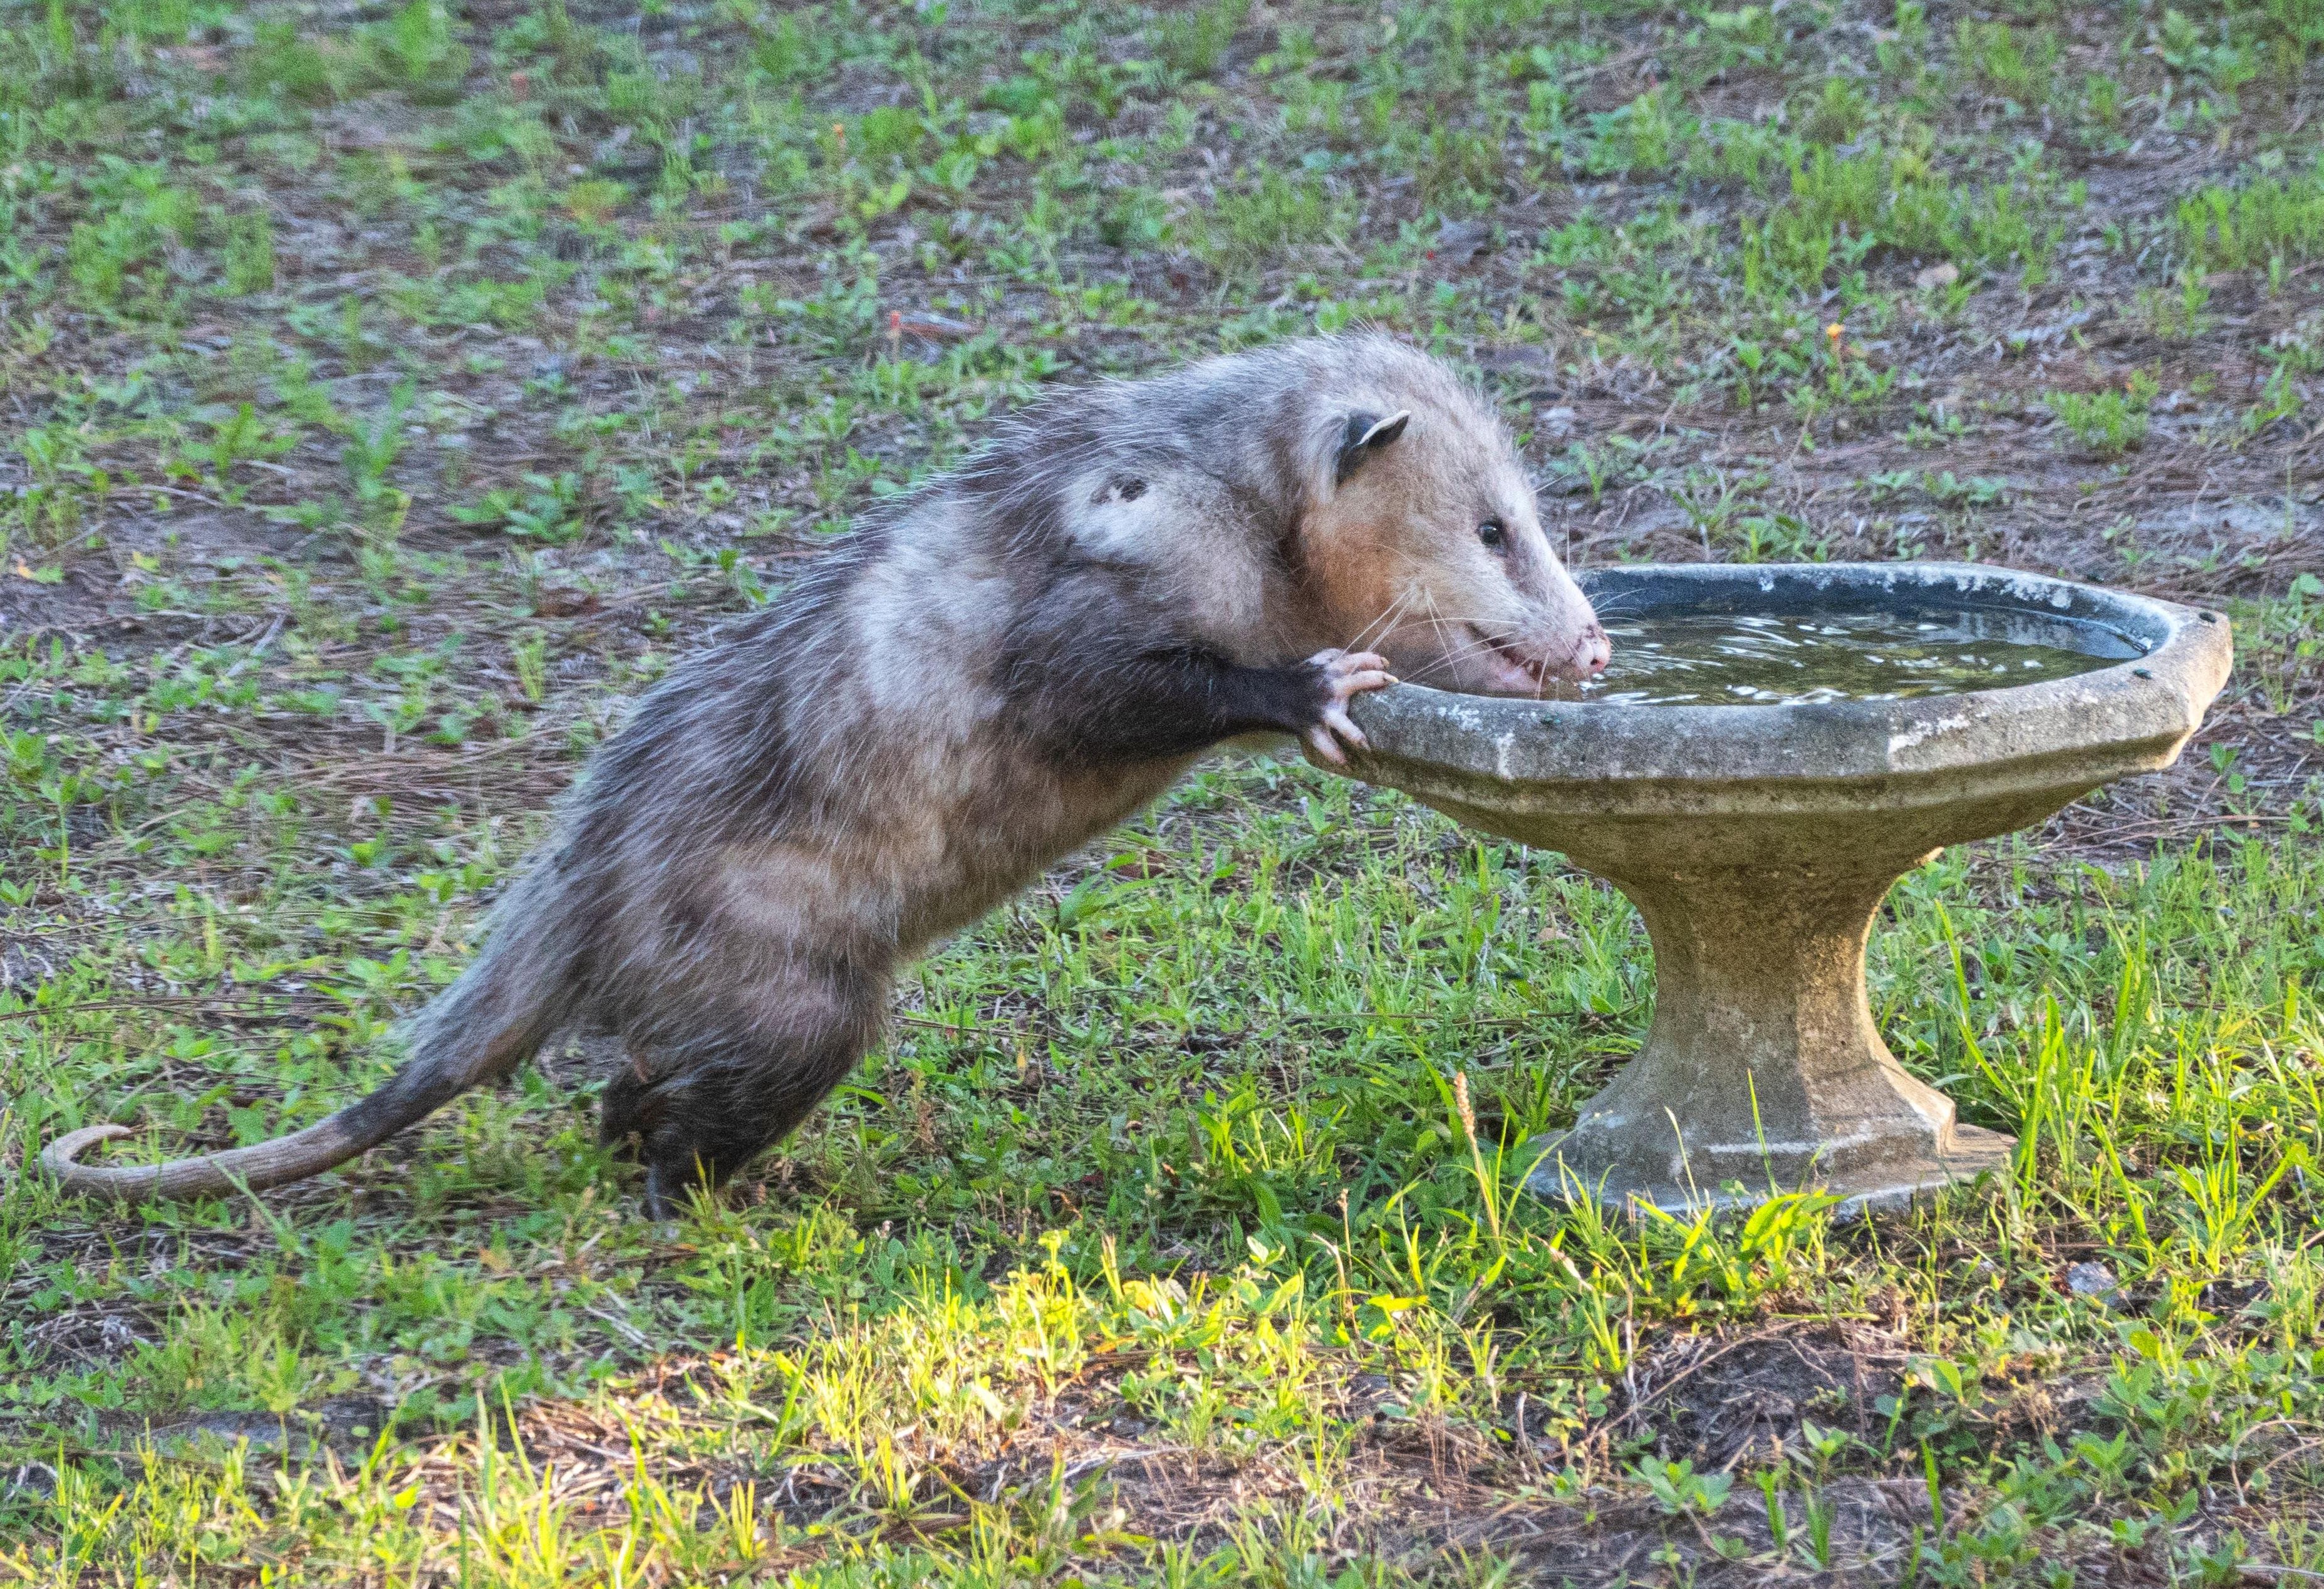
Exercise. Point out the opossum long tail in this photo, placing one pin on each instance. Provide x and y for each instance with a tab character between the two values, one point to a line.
504	1007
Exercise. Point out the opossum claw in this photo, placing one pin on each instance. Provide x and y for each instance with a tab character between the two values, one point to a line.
1346	675
1341	668
1327	736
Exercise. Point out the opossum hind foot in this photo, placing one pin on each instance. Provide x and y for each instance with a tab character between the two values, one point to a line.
692	1131
703	1105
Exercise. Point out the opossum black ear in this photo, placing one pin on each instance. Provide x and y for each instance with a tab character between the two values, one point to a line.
1363	435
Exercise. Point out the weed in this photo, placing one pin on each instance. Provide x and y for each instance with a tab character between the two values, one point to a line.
371	452
249	252
1838	114
415	51
281	62
1841	207
141	212
1270	212
1642	138
2016	67
1679	1489
2108	423
547	510
2261	223
2177	316
1191	42
2280	399
2214	58
2297	25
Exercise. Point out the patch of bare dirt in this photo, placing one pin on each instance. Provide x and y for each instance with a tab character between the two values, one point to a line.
1723	1400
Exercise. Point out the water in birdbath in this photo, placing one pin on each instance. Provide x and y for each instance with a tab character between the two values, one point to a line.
1741	660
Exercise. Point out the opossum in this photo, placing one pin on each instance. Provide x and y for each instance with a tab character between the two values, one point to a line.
953	696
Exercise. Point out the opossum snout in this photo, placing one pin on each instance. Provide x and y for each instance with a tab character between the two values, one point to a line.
1569	642
1593	651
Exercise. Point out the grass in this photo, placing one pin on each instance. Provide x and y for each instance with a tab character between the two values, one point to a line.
391	395
2108	423
2267	222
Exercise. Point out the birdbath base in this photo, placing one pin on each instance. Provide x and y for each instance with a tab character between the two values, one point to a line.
1763	1072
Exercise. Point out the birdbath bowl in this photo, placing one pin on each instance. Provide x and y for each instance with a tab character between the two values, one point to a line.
1758	842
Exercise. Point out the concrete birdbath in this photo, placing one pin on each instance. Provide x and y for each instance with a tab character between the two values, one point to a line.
1757	840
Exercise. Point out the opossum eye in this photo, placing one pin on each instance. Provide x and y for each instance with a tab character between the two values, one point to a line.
1493	534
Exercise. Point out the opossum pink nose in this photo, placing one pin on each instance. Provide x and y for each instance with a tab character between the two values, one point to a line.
1594	651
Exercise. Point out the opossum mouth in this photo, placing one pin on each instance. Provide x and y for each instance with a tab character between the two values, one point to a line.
1532	671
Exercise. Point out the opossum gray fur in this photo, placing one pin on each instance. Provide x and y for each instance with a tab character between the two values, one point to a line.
950	700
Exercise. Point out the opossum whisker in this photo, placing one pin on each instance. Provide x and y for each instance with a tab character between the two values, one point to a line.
1371	633
1450	656
1436	624
1471	637
1391	615
1446	662
1480	637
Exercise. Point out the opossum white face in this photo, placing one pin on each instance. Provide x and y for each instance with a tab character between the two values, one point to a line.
1428	549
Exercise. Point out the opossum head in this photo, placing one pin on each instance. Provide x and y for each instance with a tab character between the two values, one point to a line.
1423	542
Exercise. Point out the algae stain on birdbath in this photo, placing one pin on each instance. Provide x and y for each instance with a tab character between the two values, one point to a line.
1784	743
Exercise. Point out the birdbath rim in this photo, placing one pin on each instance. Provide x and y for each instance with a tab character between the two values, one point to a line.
2087	728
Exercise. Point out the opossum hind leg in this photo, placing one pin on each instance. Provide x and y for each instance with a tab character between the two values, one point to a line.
710	1087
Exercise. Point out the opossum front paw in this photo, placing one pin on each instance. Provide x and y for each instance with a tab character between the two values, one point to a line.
1342	676
661	1204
